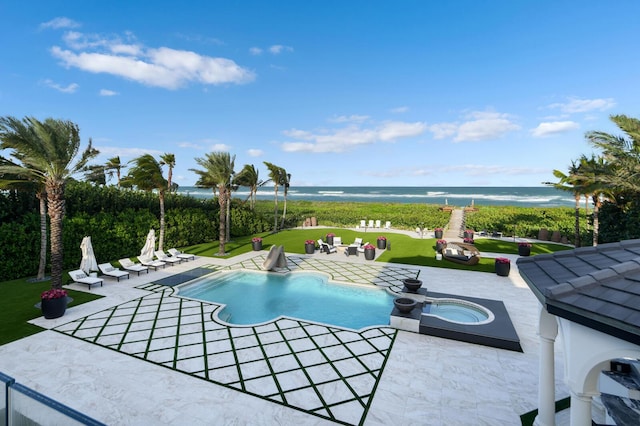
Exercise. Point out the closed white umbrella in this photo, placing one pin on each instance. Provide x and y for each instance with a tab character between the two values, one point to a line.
88	263
148	251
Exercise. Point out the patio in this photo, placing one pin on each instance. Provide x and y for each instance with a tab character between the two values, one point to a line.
142	355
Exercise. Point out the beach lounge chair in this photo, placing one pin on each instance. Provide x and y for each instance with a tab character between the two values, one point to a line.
180	255
155	264
357	242
131	266
387	225
363	224
378	224
161	255
326	247
361	248
370	223
79	276
111	271
337	241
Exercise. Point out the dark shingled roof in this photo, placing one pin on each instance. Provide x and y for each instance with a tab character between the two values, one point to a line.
598	287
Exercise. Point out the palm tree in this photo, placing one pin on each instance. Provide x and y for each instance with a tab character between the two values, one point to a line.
19	183
249	177
217	170
275	175
114	165
169	160
593	172
571	182
285	184
146	174
95	174
45	152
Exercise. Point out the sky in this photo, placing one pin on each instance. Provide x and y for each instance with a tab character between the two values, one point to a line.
338	93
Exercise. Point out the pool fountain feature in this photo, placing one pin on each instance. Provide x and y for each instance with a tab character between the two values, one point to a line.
412	284
405	305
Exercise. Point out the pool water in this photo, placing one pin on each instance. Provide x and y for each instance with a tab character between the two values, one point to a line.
254	297
456	312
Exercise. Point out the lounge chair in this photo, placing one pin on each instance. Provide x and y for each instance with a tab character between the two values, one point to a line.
161	255
180	255
378	224
337	241
370	223
357	242
363	224
111	271
387	225
129	265
462	253
326	247
155	264
352	249
79	276
361	248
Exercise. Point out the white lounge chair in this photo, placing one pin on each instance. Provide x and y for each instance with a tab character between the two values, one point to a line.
337	241
130	265
155	264
79	276
161	255
326	247
363	224
357	242
361	248
387	225
378	224
177	253
111	271
370	223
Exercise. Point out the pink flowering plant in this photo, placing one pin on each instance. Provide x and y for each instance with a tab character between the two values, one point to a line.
331	234
54	293
468	240
441	242
382	238
524	244
256	240
310	242
369	247
438	229
502	260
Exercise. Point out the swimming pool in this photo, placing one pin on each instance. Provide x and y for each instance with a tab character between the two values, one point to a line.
258	297
458	311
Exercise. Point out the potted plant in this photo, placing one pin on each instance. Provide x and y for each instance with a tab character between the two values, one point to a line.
468	233
369	252
468	240
503	266
53	303
382	242
524	249
438	232
440	244
256	242
330	236
309	246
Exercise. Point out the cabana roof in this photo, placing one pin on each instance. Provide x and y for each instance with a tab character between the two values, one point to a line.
598	287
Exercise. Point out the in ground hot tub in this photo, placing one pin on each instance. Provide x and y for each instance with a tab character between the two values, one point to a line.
458	311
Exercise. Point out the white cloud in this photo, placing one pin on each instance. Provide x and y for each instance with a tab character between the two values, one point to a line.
60	22
554	127
190	145
349	119
255	51
71	88
106	92
255	152
399	110
276	49
479	125
161	67
340	140
483	170
220	147
577	105
126	153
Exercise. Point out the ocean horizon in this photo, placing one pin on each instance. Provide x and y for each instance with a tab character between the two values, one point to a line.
454	196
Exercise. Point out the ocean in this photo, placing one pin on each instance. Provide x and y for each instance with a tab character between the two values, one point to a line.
454	196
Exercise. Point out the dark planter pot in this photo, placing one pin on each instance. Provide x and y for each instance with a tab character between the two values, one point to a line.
439	247
382	244
524	250
468	235
309	248
438	234
369	254
257	245
53	308
502	269
412	284
330	240
405	305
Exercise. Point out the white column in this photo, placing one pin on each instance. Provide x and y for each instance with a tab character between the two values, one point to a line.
548	330
580	409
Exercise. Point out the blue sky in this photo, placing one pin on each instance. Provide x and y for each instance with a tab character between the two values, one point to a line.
342	93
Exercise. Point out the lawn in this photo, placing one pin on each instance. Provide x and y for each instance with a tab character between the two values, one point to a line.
20	296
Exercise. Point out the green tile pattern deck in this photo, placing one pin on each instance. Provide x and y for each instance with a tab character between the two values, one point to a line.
320	369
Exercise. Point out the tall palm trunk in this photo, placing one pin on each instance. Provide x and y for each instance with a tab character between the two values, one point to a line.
222	200
577	226
55	207
228	217
275	210
43	236
161	238
596	220
284	209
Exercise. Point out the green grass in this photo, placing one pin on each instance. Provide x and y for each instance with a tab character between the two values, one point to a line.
20	296
18	306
